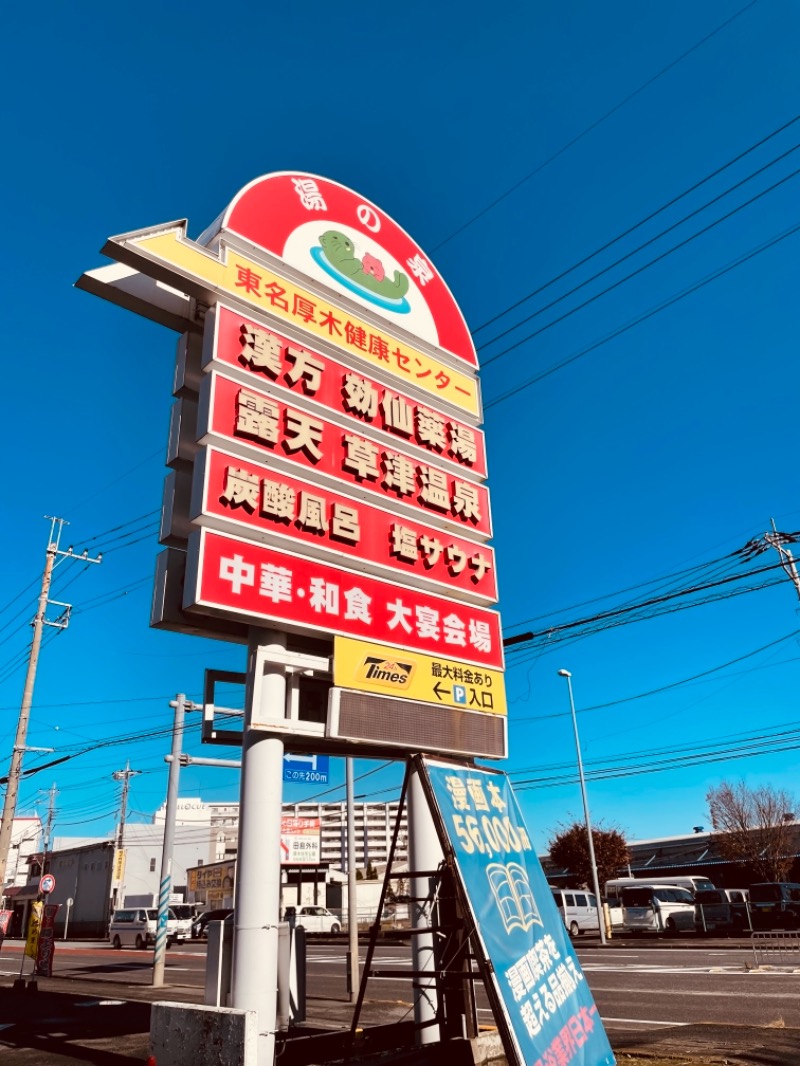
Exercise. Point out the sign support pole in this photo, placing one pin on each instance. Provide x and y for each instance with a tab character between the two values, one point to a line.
352	891
258	887
425	853
180	705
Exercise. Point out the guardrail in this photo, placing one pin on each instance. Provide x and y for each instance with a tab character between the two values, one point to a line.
776	948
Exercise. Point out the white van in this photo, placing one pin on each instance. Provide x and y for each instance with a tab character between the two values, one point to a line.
691	882
184	916
313	919
578	910
136	927
657	908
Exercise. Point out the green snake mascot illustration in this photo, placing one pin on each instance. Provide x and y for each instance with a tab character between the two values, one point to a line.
367	272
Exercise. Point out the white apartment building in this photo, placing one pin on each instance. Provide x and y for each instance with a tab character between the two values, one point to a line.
374	824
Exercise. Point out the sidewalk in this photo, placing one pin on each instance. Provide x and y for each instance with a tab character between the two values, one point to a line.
105	1021
75	1022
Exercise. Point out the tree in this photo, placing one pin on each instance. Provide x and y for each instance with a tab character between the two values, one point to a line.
569	849
753	827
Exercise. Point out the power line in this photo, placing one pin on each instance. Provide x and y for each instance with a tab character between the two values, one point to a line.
663	306
593	126
632	229
652	601
678	758
778	733
633	252
662	688
731	558
554	638
124	525
633	274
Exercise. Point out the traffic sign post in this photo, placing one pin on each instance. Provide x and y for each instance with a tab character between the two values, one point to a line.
308	769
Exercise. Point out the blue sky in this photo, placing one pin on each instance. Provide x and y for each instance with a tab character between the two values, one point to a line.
511	148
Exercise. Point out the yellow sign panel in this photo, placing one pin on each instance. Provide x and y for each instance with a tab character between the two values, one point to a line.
358	664
215	876
261	287
119	864
34	928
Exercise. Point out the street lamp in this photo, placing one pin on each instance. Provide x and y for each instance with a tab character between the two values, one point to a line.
592	860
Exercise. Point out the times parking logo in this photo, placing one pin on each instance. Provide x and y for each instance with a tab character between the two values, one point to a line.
388	673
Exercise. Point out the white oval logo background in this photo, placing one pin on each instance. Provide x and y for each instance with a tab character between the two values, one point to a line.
297	252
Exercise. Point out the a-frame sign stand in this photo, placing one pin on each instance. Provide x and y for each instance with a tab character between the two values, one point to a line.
493	919
452	974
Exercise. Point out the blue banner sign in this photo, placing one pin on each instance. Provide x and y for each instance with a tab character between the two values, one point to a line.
311	769
551	1017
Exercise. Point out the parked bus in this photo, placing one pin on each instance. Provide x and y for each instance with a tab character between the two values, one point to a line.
691	882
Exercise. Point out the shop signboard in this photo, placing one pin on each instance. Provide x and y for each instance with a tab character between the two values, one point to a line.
539	994
302	594
46	945
34	927
300	841
257	421
166	253
235	341
269	505
328	465
5	921
434	679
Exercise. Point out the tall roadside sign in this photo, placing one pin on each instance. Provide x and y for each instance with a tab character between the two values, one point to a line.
326	502
328	470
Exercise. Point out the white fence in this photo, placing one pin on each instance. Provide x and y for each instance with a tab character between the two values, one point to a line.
776	948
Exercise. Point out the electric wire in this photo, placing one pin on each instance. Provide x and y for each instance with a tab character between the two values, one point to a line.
655	600
669	302
628	255
594	125
777	733
661	688
634	273
638	225
552	638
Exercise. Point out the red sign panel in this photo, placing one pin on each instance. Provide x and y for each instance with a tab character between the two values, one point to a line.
45	949
305	595
294	514
332	234
233	412
270	357
300	841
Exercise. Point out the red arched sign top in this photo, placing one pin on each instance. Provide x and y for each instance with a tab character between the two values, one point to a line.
347	243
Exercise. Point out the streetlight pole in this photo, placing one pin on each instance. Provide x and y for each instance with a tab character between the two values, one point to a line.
592	860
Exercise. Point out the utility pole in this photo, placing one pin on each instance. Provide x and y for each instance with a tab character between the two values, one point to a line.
47	844
180	705
777	540
39	622
124	776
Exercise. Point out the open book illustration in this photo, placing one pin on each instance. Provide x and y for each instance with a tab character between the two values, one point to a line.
513	895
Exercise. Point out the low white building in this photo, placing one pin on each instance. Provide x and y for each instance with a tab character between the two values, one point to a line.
195	844
26	836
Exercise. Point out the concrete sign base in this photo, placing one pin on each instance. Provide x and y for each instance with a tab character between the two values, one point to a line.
187	1035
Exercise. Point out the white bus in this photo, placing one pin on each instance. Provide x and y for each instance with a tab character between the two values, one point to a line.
691	882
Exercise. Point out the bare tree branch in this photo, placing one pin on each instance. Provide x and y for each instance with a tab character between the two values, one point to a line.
754	827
